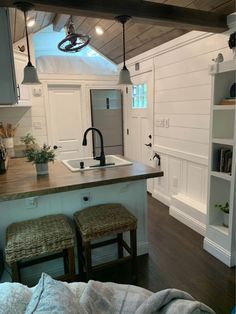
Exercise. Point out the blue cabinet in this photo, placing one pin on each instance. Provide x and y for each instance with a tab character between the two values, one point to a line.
8	91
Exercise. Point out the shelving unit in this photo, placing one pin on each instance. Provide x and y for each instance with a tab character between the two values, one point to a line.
219	239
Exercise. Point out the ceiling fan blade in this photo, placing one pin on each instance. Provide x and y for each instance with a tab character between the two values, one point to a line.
69	46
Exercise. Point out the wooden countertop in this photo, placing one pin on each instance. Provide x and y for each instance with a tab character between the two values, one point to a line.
21	181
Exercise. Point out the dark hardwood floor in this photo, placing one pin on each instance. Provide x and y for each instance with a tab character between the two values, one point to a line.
177	260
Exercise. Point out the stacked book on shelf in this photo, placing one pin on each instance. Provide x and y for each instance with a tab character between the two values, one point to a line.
225	160
228	101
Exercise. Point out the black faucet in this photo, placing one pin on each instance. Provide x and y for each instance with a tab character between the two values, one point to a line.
102	155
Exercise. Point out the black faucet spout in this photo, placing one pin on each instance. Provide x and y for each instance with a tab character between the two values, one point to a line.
102	157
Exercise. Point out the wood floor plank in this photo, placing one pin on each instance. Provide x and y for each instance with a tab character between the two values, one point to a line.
177	260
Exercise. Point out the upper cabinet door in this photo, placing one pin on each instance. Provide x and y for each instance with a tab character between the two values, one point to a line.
8	94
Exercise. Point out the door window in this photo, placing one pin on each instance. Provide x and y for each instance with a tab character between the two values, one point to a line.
139	96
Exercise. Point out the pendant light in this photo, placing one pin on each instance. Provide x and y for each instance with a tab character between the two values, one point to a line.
30	72
124	77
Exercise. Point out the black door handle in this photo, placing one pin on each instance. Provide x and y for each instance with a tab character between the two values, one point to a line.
149	145
18	92
158	158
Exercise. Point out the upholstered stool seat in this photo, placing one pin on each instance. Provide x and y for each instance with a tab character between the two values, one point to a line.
100	221
48	235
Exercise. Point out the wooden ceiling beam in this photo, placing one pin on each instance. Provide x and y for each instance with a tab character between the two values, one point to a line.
144	12
60	21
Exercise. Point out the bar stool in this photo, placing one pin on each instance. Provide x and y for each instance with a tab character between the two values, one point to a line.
103	220
51	236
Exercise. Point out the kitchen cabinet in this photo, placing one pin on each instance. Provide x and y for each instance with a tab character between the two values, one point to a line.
8	93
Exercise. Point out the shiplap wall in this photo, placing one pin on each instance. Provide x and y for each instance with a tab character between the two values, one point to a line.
182	98
183	93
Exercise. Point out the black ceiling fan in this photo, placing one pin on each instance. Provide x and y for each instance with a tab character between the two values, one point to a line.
73	42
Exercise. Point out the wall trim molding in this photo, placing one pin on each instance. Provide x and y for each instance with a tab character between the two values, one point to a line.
163	198
80	79
199	159
219	252
188	220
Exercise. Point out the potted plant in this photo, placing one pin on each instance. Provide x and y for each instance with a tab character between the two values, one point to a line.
40	157
28	140
225	210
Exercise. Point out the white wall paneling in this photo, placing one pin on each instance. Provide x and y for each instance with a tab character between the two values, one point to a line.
182	97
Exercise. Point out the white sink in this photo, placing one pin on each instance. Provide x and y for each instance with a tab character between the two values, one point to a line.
89	163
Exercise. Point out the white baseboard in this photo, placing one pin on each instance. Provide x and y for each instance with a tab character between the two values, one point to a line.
191	222
219	252
161	197
194	220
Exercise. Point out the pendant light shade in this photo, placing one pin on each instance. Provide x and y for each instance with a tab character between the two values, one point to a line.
124	77
30	72
30	75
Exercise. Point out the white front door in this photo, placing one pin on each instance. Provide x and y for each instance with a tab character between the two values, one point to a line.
139	133
65	120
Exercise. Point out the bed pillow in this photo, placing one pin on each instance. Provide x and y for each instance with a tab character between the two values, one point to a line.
51	297
14	298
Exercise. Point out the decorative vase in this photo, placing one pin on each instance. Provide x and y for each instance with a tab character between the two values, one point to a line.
226	220
42	169
8	142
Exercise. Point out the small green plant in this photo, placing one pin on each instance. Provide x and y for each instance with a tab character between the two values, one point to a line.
27	139
41	155
224	208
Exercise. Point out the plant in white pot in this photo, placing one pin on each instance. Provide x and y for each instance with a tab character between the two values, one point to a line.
225	210
28	140
40	157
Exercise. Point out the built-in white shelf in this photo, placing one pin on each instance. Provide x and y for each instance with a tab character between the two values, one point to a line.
15	106
226	66
221	175
221	228
225	107
223	141
219	239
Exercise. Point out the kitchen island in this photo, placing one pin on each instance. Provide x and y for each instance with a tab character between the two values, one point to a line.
24	196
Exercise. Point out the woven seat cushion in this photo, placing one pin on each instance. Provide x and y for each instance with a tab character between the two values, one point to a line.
102	220
34	237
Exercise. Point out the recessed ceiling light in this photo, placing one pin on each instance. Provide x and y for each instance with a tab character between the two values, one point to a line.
30	22
99	30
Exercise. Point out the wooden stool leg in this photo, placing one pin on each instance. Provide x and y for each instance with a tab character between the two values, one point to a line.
80	254
88	259
133	246
71	258
65	261
120	245
15	272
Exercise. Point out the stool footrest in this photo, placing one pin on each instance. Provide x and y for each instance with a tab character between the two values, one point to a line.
103	243
40	260
111	263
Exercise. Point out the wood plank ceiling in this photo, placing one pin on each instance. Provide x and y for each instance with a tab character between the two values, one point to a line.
139	37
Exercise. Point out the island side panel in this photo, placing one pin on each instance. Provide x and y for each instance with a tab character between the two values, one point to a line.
131	194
